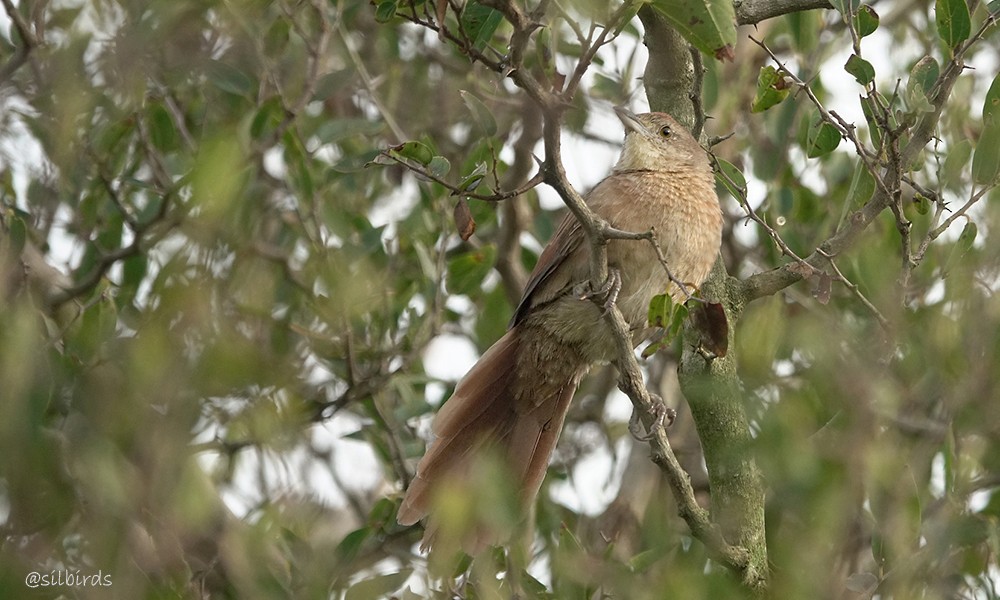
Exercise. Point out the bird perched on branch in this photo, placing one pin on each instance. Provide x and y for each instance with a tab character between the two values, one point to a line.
512	403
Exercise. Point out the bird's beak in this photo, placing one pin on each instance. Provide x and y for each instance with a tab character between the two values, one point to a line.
629	120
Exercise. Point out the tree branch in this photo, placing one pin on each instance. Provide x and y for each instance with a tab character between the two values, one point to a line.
751	12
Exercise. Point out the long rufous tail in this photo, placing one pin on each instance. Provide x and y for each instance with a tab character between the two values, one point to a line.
494	406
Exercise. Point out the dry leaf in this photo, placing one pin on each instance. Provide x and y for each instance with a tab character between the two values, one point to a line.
463	220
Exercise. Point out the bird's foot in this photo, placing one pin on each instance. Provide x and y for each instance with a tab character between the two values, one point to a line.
607	292
663	417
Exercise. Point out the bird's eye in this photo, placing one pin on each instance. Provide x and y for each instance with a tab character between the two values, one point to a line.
665	131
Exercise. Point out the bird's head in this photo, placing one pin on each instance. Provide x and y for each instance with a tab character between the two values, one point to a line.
656	142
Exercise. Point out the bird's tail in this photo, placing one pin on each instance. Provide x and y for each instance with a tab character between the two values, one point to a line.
495	408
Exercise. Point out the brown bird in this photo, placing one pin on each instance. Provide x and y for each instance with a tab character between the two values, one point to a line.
514	400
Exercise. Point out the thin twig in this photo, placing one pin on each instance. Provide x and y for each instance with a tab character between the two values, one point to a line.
882	321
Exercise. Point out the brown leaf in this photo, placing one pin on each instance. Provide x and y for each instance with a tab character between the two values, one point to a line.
441	9
725	53
821	291
463	220
711	319
558	81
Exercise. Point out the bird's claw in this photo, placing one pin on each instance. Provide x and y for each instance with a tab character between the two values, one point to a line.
609	291
664	417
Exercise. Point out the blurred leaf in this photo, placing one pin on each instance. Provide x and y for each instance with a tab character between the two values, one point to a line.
480	22
332	82
986	161
161	128
641	562
961	247
845	6
709	25
868	20
267	118
335	130
861	69
18	234
991	104
954	23
439	166
385	11
481	115
467	271
862	583
955	170
771	89
229	79
380	586
349	547
276	38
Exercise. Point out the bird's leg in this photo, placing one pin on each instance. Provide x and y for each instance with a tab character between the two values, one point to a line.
664	418
607	292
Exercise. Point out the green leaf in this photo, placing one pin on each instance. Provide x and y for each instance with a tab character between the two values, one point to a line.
133	270
822	138
480	113
641	562
708	25
862	186
161	128
385	11
332	82
731	178
954	23
845	6
961	246
467	271
479	23
439	166
923	75
861	69
955	171
986	162
380	586
991	106
334	130
18	234
666	314
276	38
472	180
268	117
229	79
414	150
993	8
867	20
350	546
771	89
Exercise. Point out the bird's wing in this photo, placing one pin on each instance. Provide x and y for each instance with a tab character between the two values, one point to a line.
564	261
547	280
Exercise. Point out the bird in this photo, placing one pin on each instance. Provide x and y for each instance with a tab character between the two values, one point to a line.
514	400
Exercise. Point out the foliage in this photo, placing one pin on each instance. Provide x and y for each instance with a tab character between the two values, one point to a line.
233	233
